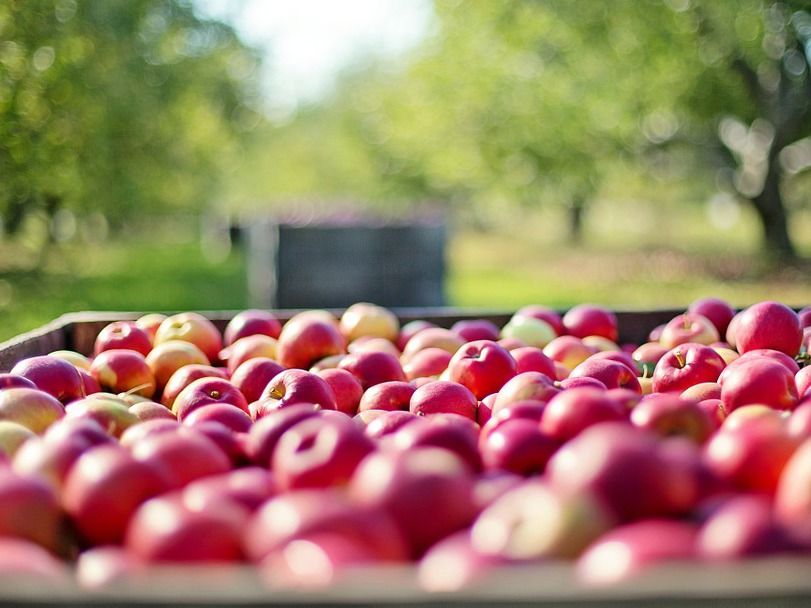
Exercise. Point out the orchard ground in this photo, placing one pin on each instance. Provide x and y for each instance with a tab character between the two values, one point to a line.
651	261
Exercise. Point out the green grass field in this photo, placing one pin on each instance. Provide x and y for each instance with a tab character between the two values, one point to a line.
622	266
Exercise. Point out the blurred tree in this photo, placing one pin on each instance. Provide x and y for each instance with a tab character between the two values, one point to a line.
124	107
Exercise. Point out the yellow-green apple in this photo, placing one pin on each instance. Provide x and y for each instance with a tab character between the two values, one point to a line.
432	337
443	396
531	331
307	339
482	366
544	314
194	328
32	408
29	510
166	358
476	329
104	488
204	392
531	359
669	415
319	452
226	414
72	357
529	386
572	411
702	391
123	371
15	381
647	356
610	373
247	348
427	491
266	432
369	343
12	437
294	386
518	446
718	311
188	374
388	422
537	521
769	325
409	330
55	376
250	323
453	564
427	363
591	320
149	410
625	552
686	365
123	334
451	432
364	319
569	351
110	412
759	381
150	323
372	368
346	387
688	327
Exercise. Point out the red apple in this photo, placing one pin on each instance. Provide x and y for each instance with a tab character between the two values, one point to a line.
647	356
305	340
149	410
610	373
364	319
590	320
123	335
388	422
427	362
448	431
204	392
372	368
669	415
266	432
443	397
569	351
772	355
409	330
194	328
688	327
247	348
150	323
718	311
387	396
686	365
453	564
32	408
529	386
432	337
15	381
769	325
226	414
185	376
531	359
702	391
476	329
56	377
544	314
294	386
517	446
570	412
482	366
135	434
166	358
102	567
123	371
246	488
254	375
759	381
346	387
110	412
249	323
585	382
29	510
484	411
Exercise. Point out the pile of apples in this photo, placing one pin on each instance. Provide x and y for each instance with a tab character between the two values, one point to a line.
327	444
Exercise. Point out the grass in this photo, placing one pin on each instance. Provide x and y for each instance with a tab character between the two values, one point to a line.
627	264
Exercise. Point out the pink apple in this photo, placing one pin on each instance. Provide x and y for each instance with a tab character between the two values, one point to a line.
484	411
647	356
409	330
512	343
346	387
718	311
226	414
166	358
792	501
432	337
610	373
150	323
453	564
89	383
369	343
149	410
529	386
427	362
617	356
443	397
583	382
106	566
531	359
246	488
715	410
591	320
688	327
194	328
769	325
759	381
185	376
123	335
254	375
669	415
305	340
294	386
803	381
448	431
249	323
266	432
387	396
482	366
29	510
773	355
517	446
204	392
805	317
123	371
15	381
389	422
476	329
570	412
702	391
32	408
55	376
247	348
686	365
544	314
372	368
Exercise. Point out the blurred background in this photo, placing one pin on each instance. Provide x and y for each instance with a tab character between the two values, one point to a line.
636	153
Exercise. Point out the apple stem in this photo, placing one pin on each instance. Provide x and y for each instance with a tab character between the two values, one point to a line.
679	357
135	389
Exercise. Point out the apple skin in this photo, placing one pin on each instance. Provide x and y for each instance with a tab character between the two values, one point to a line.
319	452
150	323
443	396
517	446
29	510
759	354
715	410
428	492
371	344
531	359
247	348
529	386
99	568
702	391
372	368
247	488
185	376
544	314
569	351
409	330
365	319
294	386
647	356
525	410
759	381
25	562
426	363
531	331
686	365
476	329
623	553
718	311
669	415
572	411
254	375
389	422
77	360
266	432
432	337
226	414
166	358
792	500
104	488
149	410
122	371
163	529
15	381
249	323
206	391
617	356
346	387
799	423
32	408
482	366
305	340
447	431
610	373
389	396
89	383
769	325
453	564
55	376
591	320
123	335
688	327
804	315
194	328
135	434
12	437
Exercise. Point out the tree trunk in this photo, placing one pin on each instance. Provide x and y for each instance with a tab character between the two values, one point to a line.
577	207
773	215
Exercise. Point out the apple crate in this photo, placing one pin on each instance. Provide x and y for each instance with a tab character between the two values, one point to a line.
764	582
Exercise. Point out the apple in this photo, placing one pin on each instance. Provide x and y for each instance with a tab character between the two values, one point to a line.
370	344
656	333
426	363
536	521
194	328
77	360
330	362
482	366
150	323
792	499
104	488
168	357
185	376
123	335
647	356
544	314
250	323
591	320
715	410
570	412
254	375
760	381
529	410
624	552
610	373
531	359
107	566
804	315
29	510
493	484
388	422
686	365
135	434
123	371
204	392
476	329
688	327
669	415
484	411
409	330
512	343
364	319
55	376
32	408
305	340
246	488
451	432
226	414
15	381
718	311
110	412
372	368
89	383
319	452
569	351
294	386
346	387
583	382
702	391
247	348
432	337
454	564
266	432
529	386
531	331
387	396
443	396
427	491
518	446
617	356
759	354
149	410
601	343
769	325
12	437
